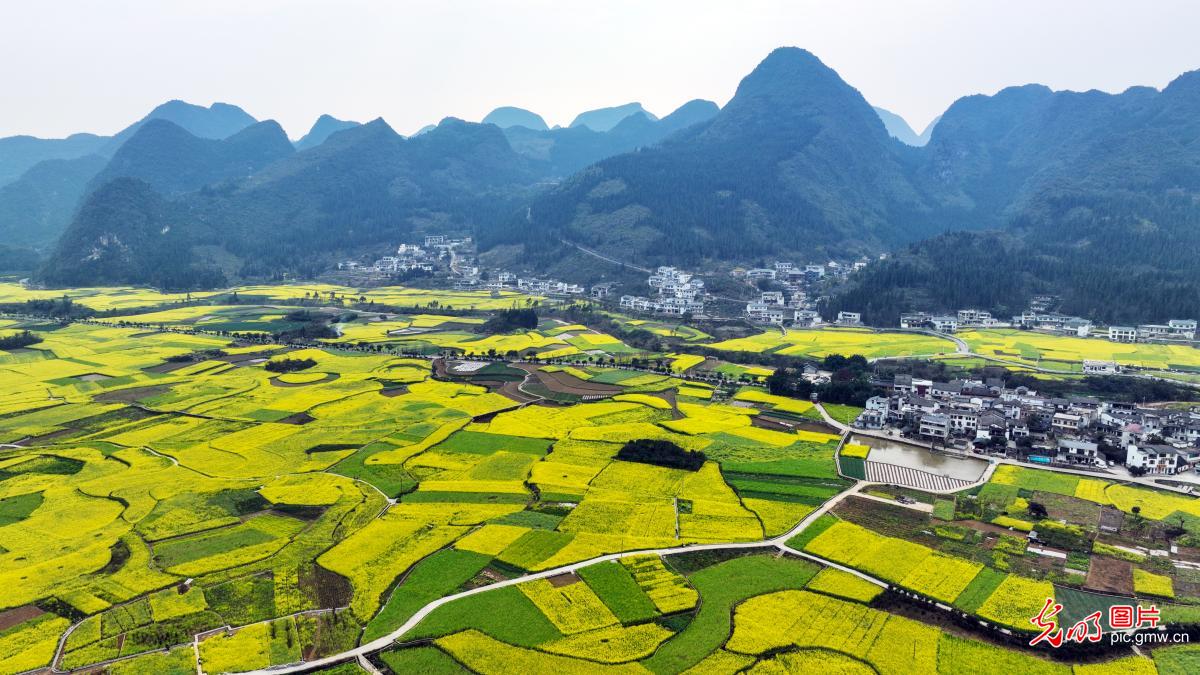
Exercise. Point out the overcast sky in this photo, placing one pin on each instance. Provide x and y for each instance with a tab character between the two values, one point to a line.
99	65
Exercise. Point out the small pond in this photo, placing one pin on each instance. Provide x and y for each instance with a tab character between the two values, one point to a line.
895	451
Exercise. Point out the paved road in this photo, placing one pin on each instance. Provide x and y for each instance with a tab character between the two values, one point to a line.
779	542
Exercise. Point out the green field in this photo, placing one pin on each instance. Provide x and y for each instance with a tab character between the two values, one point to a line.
160	484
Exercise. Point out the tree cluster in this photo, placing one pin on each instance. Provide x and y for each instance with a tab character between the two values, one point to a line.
289	365
509	320
661	453
19	340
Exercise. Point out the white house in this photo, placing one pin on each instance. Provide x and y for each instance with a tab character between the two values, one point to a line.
806	317
1122	333
944	324
849	318
1182	329
1153	458
1075	451
935	425
1068	423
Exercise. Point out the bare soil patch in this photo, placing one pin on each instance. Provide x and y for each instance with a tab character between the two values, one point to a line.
298	418
16	615
560	580
1110	576
893	521
94	377
565	383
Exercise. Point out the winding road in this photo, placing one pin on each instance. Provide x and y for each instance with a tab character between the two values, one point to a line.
779	542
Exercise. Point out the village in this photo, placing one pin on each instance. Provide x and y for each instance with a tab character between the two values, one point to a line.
985	416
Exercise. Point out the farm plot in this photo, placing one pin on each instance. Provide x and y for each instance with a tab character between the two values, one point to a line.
1030	347
382	489
819	343
907	564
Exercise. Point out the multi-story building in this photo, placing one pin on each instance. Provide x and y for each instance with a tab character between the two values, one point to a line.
849	318
1122	333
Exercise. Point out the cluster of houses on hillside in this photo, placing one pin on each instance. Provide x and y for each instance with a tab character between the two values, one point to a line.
508	281
675	292
948	323
771	308
409	257
792	302
988	416
791	273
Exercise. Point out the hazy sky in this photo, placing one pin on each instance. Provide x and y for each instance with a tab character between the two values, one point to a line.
99	65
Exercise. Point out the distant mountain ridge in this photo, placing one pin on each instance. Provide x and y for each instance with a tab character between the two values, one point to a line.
364	186
37	205
796	160
18	154
1093	196
325	126
604	119
171	160
899	129
1088	195
560	152
508	116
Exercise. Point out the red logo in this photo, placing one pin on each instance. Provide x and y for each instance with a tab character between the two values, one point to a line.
1089	629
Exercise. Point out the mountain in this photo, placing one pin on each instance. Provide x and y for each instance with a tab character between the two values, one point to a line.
604	119
125	231
1089	196
923	139
37	204
560	152
366	186
36	207
897	128
19	154
795	163
217	121
321	130
508	116
693	112
172	160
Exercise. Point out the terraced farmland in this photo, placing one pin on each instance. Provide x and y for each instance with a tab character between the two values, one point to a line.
148	470
156	486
